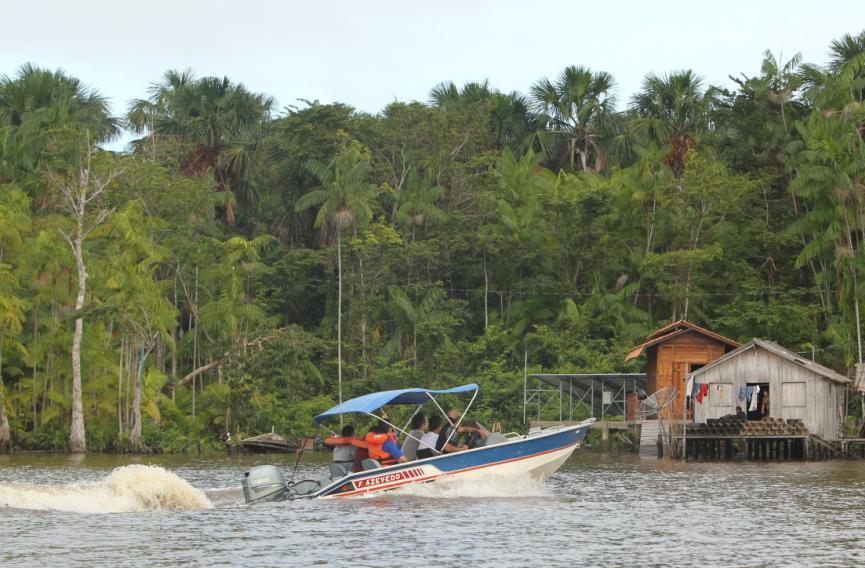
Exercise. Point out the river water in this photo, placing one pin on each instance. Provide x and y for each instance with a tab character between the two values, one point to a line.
598	510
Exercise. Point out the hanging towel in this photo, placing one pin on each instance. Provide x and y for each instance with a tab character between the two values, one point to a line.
754	395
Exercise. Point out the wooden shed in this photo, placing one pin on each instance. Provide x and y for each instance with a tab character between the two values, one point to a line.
789	386
676	350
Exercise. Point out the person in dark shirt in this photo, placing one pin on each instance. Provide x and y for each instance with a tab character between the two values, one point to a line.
447	439
428	441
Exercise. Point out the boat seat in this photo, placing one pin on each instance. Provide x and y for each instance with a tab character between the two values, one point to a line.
495	438
338	470
370	463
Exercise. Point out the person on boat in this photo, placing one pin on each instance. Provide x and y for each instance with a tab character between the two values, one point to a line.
412	441
426	448
447	439
343	449
382	446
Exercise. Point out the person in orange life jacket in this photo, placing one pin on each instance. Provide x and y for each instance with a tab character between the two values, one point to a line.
343	454
382	446
445	446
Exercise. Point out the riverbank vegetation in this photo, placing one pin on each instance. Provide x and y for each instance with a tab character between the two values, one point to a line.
243	265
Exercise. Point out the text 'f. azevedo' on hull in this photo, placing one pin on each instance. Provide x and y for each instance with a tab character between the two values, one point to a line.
536	454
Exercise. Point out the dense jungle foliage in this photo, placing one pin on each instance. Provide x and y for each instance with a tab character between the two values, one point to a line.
241	263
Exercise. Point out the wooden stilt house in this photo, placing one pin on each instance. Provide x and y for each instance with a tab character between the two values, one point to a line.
675	351
764	379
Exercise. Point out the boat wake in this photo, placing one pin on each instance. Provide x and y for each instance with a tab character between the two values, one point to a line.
491	486
127	489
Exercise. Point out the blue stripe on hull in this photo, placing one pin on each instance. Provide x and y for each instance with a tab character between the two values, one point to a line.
480	457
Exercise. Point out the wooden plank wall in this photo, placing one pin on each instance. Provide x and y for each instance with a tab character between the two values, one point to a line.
818	410
674	359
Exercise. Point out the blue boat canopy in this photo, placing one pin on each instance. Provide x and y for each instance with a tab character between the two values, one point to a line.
373	401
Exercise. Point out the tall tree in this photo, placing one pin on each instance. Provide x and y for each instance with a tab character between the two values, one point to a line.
580	107
80	191
219	124
344	200
673	109
14	223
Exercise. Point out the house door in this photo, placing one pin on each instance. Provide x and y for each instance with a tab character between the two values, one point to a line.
758	405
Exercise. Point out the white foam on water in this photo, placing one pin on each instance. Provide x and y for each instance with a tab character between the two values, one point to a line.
127	489
490	486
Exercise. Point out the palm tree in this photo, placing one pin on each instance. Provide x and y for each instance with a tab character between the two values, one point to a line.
41	110
344	199
220	125
411	316
580	106
448	96
416	205
781	81
54	100
14	223
511	120
12	310
844	50
673	109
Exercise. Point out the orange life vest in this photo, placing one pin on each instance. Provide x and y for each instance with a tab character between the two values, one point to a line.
375	442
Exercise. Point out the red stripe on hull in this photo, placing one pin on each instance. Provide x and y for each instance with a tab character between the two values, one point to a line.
430	478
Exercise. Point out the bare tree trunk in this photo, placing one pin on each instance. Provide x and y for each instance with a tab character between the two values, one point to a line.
79	193
339	317
135	434
77	440
486	294
5	432
120	390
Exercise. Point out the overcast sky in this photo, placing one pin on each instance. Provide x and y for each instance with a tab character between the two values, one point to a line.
370	53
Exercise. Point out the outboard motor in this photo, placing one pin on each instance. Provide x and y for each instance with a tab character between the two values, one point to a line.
264	483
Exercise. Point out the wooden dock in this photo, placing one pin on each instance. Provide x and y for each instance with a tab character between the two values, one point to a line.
768	440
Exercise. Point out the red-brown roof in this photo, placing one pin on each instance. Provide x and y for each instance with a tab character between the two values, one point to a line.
676	328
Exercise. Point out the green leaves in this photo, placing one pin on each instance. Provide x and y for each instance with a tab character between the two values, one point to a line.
345	197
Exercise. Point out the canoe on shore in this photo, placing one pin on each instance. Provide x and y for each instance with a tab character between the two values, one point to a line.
267	443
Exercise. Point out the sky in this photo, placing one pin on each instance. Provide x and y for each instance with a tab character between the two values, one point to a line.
371	53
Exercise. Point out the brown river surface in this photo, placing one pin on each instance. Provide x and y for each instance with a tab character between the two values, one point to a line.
598	510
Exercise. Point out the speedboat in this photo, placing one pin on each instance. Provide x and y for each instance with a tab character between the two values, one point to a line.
536	454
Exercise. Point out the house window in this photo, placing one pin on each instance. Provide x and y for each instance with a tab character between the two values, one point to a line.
793	394
721	395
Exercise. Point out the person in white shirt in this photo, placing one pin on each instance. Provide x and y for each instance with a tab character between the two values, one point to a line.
412	441
426	449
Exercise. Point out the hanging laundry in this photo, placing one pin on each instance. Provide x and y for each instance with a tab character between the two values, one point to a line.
755	392
743	393
689	389
704	392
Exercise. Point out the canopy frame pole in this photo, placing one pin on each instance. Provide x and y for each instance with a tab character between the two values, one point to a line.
396	428
456	427
442	410
323	427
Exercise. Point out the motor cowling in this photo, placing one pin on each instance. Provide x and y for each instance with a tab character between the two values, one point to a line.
264	483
